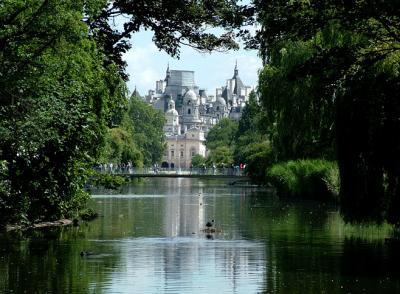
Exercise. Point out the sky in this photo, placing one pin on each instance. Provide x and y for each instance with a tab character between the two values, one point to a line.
146	65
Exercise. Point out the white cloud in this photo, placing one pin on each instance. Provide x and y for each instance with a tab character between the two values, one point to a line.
146	64
142	68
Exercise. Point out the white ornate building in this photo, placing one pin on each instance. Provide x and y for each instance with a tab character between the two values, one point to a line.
190	112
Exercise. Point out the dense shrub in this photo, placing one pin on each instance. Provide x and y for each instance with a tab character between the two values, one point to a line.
317	179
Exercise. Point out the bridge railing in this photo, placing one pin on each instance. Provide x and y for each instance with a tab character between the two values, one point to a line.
234	171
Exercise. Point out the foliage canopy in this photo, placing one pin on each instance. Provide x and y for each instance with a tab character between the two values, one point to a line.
330	77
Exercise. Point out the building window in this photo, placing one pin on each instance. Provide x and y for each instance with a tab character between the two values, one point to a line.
217	108
181	153
189	111
172	153
193	152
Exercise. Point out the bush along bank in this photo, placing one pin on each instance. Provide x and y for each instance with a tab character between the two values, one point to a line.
308	178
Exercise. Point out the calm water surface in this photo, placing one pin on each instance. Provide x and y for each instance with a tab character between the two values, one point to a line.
149	239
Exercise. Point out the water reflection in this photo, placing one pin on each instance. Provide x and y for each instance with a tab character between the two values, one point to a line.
149	239
181	257
177	265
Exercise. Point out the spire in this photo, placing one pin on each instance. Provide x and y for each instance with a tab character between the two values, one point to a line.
236	71
168	74
238	84
135	93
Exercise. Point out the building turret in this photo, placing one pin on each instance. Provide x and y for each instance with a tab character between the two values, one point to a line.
190	109
172	126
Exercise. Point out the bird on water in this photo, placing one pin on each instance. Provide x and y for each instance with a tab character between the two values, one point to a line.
210	224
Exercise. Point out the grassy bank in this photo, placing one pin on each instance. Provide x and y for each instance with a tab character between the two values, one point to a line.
313	178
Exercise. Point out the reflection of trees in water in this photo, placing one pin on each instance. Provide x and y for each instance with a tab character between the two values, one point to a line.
375	264
47	262
308	249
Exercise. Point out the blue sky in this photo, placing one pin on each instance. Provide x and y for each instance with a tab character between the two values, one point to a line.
146	64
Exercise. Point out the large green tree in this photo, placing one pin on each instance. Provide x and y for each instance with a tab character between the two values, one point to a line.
147	130
252	146
334	66
51	107
222	134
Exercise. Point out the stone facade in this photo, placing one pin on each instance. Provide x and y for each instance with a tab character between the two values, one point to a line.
181	148
190	112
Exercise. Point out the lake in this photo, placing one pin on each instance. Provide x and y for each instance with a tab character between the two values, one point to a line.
150	238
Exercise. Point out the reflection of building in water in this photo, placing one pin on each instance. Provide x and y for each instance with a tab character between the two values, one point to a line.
184	215
176	261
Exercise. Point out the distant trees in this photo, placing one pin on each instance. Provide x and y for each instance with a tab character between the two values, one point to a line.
198	161
222	134
139	138
244	142
220	143
252	146
121	148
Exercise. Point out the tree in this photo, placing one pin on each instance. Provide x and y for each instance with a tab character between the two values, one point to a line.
198	161
221	156
220	143
222	134
51	108
120	148
147	130
334	66
252	146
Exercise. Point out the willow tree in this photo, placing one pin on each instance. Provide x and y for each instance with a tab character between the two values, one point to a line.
338	61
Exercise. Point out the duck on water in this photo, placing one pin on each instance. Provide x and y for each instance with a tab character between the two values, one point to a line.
209	227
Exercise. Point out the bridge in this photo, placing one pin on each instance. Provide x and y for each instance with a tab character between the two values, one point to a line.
234	172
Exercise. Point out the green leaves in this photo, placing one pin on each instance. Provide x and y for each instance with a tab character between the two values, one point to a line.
222	134
53	108
331	70
148	131
221	156
198	161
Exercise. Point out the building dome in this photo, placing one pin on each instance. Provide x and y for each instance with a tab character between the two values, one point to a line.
171	112
190	96
220	101
171	104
